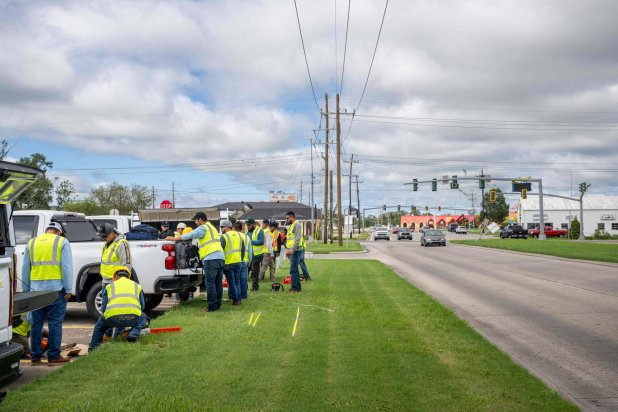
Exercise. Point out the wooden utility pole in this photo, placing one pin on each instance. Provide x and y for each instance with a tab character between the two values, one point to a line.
326	209
153	197
311	202
339	217
350	192
358	216
301	191
173	196
331	207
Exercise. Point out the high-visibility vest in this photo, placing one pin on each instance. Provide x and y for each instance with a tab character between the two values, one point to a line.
123	298
109	257
45	254
267	232
258	250
23	329
247	242
233	247
291	235
275	239
211	241
176	234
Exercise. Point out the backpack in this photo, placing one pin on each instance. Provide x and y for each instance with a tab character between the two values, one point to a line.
142	232
187	256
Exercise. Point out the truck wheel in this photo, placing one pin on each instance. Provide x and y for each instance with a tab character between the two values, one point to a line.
93	301
152	301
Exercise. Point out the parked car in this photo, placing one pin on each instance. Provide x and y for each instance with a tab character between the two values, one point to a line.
461	230
381	232
452	227
433	237
404	233
514	231
395	230
549	232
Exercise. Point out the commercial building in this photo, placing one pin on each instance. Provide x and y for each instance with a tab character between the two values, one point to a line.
600	212
442	221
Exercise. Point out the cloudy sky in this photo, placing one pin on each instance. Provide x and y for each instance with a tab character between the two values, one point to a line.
215	96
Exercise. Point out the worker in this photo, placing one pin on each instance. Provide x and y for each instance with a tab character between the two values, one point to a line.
234	251
268	254
276	245
48	266
211	254
114	254
180	227
165	230
21	333
187	230
256	234
293	244
244	265
122	306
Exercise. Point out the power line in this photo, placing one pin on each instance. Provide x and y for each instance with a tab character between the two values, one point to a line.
345	47
548	123
317	106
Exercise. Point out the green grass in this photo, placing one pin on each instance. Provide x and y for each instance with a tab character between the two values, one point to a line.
321	248
604	252
385	345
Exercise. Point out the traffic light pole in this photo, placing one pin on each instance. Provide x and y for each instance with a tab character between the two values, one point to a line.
505	179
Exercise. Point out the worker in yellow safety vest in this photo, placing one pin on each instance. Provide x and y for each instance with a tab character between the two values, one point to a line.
246	261
180	227
48	266
256	234
211	254
294	244
234	251
122	306
269	254
276	245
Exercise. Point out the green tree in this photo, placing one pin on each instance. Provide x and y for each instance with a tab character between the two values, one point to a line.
65	193
87	206
124	198
5	148
575	228
496	212
39	194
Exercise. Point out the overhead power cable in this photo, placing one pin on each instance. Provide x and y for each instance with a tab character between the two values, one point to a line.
317	106
345	47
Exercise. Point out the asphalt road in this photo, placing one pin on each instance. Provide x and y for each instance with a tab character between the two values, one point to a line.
557	318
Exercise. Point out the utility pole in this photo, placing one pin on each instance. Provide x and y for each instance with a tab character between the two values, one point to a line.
330	214
311	203
326	208
339	217
301	191
350	191
173	196
153	197
358	216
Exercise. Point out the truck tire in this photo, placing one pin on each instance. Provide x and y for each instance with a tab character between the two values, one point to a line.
152	301
93	301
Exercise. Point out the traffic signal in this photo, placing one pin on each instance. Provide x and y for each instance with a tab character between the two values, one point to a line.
492	195
426	208
583	187
415	184
481	184
454	184
384	208
439	208
524	193
413	208
399	208
434	185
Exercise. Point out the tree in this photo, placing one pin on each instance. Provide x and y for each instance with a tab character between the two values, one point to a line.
575	228
496	212
86	206
5	148
65	193
124	198
39	194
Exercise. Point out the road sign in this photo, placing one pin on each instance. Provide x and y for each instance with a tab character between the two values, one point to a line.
166	204
493	227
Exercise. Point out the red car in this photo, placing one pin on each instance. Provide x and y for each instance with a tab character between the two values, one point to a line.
549	232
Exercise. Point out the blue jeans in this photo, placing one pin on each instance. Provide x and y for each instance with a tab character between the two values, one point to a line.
136	323
232	274
213	279
244	279
55	315
294	260
303	266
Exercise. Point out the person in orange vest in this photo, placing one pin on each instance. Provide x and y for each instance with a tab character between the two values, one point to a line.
122	306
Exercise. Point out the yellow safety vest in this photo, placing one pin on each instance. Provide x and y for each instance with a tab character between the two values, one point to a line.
276	235
123	298
233	247
45	254
245	241
109	258
291	234
211	242
266	233
258	250
176	234
23	329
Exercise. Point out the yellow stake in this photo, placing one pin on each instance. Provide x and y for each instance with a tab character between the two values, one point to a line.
251	318
256	318
296	323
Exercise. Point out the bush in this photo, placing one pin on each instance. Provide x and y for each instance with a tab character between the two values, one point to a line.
603	235
575	228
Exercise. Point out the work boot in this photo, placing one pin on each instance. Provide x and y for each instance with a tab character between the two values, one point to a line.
131	339
58	361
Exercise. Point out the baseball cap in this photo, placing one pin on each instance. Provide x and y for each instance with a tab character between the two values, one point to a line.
165	223
250	221
181	225
106	228
266	221
226	223
273	224
54	225
200	215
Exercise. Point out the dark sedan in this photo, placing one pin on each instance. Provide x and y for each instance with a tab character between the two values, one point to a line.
404	233
433	237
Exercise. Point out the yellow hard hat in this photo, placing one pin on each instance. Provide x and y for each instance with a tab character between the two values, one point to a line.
123	269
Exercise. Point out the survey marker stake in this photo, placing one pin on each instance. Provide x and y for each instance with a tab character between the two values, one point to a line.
251	319
256	318
296	323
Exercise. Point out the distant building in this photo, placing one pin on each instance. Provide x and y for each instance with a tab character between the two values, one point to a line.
600	212
282	197
442	221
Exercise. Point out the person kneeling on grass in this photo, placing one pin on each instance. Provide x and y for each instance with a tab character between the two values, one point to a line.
122	306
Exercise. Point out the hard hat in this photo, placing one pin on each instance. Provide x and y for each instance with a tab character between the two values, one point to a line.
123	269
106	228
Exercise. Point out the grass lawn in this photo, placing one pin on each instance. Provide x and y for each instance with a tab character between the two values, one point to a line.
349	245
382	345
604	252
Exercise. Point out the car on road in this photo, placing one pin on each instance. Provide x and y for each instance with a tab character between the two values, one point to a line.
433	237
461	230
549	232
381	232
513	231
404	233
452	227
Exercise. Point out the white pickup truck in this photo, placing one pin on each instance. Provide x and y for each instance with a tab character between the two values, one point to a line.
120	222
154	261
